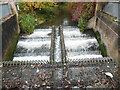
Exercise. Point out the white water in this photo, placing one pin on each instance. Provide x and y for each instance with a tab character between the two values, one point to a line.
79	45
30	58
35	46
57	49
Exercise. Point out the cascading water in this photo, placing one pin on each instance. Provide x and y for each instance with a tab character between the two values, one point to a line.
57	48
35	46
79	45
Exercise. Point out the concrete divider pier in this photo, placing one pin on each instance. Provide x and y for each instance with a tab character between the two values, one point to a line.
58	51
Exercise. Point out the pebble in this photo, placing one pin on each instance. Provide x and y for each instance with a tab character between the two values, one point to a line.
66	86
43	84
109	74
89	87
1	66
75	87
49	77
79	81
26	82
25	86
48	87
69	82
104	81
37	70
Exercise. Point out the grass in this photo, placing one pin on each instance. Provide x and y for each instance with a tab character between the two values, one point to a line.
10	51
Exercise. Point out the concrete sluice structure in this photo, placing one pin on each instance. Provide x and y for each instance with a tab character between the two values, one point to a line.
78	62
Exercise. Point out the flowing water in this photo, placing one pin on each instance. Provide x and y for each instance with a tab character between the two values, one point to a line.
57	48
79	45
37	45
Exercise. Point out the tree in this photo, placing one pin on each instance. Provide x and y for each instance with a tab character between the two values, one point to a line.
80	8
32	6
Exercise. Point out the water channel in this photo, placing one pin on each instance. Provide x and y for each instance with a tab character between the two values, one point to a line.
78	45
36	46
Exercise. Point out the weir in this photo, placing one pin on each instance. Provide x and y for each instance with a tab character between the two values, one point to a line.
55	57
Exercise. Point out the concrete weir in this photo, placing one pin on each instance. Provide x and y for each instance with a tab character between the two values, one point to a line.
65	69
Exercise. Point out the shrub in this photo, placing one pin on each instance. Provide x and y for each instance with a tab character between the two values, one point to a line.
83	22
27	23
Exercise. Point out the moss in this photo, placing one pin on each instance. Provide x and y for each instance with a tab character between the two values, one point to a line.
101	45
10	50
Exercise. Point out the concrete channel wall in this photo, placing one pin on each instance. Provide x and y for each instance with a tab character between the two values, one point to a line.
109	30
9	28
52	45
62	45
63	50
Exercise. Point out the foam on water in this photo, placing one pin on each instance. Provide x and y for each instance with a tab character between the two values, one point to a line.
72	53
38	34
33	44
28	46
75	44
84	56
57	48
29	58
72	33
79	45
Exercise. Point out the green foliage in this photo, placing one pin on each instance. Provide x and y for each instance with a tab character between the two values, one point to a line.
101	44
83	22
32	14
27	23
32	6
63	7
86	13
